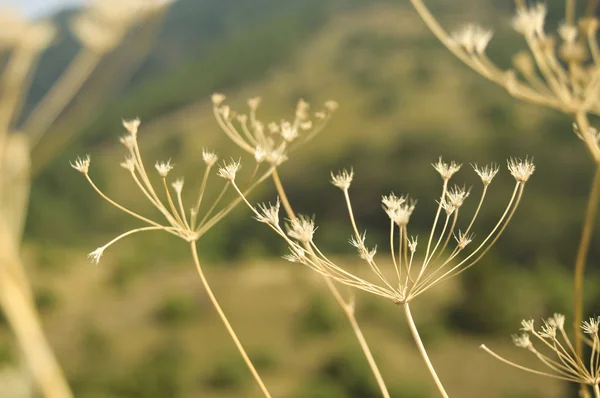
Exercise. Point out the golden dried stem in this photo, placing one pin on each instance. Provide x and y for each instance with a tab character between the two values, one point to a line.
228	326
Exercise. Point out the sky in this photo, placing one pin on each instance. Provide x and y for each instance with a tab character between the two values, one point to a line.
39	8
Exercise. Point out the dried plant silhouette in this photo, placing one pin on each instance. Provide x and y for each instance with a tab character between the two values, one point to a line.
557	353
272	146
559	71
442	259
100	28
189	224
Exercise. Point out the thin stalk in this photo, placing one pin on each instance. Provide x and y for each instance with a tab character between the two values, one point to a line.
349	311
582	252
234	337
417	338
590	11
336	294
282	195
28	329
596	391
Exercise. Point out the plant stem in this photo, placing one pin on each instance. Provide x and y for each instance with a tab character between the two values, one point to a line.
349	311
596	391
582	252
228	326
417	338
26	325
282	196
347	308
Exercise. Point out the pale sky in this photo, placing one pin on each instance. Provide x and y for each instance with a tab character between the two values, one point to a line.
39	8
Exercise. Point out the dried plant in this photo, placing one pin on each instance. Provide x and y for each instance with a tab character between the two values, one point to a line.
100	28
272	144
440	262
559	71
188	224
558	353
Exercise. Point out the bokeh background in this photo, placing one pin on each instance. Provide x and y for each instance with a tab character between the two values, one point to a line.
139	323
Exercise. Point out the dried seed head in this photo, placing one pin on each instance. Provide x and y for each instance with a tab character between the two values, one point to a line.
178	185
128	164
96	255
306	125
463	239
591	327
253	103
521	340
548	330
530	21
82	165
521	169
391	202
302	109
132	125
297	255
473	38
301	229
412	244
217	99
163	168
288	132
343	179
557	320
456	196
129	141
527	325
331	105
446	170
567	32
209	157
486	173
268	213
229	170
401	214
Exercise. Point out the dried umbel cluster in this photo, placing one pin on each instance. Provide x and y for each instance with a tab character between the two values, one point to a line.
413	273
556	351
272	142
189	224
560	71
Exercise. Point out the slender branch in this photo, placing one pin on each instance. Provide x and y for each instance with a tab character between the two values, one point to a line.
570	12
234	337
348	310
596	391
417	338
282	195
582	252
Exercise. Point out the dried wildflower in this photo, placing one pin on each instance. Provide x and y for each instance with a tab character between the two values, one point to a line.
302	229
529	21
177	221
270	144
486	173
163	168
82	165
557	352
229	170
521	169
268	213
446	170
209	157
437	264
473	38
343	179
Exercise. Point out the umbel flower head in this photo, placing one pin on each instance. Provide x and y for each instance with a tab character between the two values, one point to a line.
448	250
556	352
272	142
189	224
559	71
